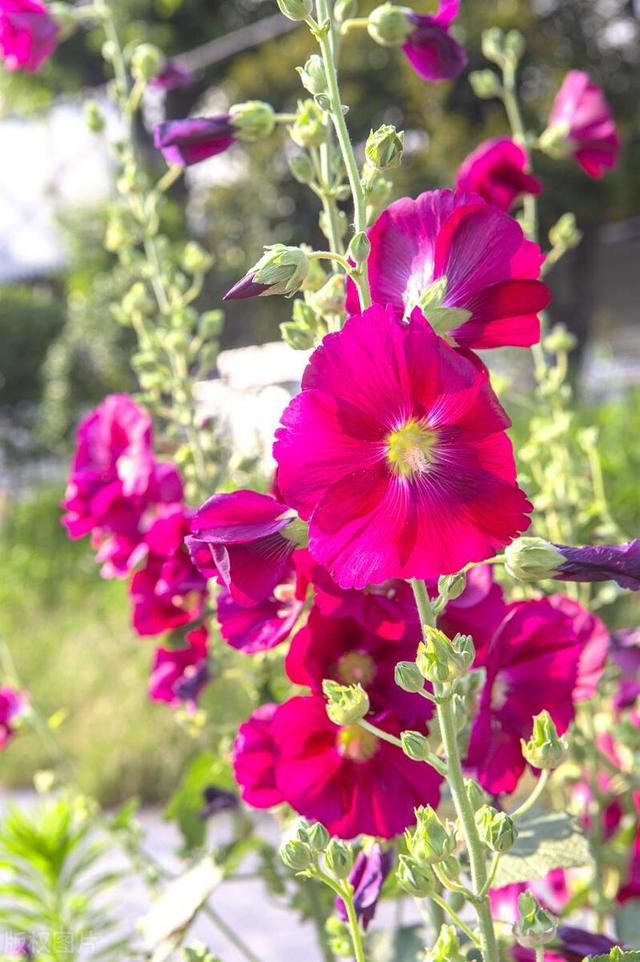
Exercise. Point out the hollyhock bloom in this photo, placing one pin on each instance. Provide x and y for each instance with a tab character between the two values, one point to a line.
246	540
173	76
593	637
187	142
464	262
535	640
582	118
254	753
341	649
178	675
263	626
12	703
367	876
395	451
345	777
477	612
430	49
28	34
497	171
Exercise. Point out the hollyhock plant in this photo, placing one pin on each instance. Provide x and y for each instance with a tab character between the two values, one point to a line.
245	540
497	170
254	753
367	876
466	263
395	452
264	625
12	704
187	142
341	649
28	34
581	119
178	675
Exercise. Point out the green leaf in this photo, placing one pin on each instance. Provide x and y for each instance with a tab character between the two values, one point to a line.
627	922
187	801
544	842
405	944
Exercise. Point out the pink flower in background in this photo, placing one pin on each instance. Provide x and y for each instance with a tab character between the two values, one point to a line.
581	114
396	453
467	263
593	637
254	755
477	612
173	76
28	34
263	626
431	50
178	675
497	171
246	540
12	704
341	649
187	142
367	877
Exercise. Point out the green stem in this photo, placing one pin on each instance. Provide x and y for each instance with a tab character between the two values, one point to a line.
529	802
380	733
331	256
540	953
423	602
444	905
344	890
356	23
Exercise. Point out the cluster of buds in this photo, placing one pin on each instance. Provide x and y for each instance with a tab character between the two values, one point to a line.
307	841
346	704
442	660
536	927
415	877
431	841
496	829
545	749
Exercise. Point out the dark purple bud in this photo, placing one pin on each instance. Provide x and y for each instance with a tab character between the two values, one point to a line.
577	943
216	800
246	287
188	686
367	877
602	562
187	142
172	77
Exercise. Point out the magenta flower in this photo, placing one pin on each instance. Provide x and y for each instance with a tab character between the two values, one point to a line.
464	262
367	877
187	142
246	540
625	650
173	76
254	753
497	170
593	638
581	116
396	453
178	675
536	639
430	49
28	34
12	704
264	625
341	649
477	612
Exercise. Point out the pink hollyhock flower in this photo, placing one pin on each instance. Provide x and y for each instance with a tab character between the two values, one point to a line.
344	777
395	451
178	675
593	638
464	262
497	170
246	540
263	626
430	49
341	649
254	753
28	34
173	76
12	704
187	142
582	118
536	639
367	877
477	612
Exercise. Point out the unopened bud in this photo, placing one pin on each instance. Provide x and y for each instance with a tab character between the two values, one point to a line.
339	858
408	677
317	836
313	75
485	84
545	749
415	878
565	233
532	559
301	168
147	61
359	248
452	586
308	129
195	259
496	829
446	948
384	147
346	704
514	44
431	840
345	10
493	44
559	340
415	745
296	9
252	120
296	855
93	116
476	794
389	25
441	659
536	927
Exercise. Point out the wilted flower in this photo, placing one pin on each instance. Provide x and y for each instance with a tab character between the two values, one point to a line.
581	123
12	703
187	142
178	675
497	171
28	34
367	877
366	450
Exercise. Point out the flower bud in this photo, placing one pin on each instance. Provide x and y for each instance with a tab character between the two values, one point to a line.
298	338
431	840
195	259
147	62
554	140
485	84
317	836
338	858
545	748
345	10
329	299
384	147
532	559
93	116
415	878
296	9
301	168
492	44
308	129
389	25
313	75
565	233
408	677
514	44
476	794
296	855
415	745
446	948
359	248
252	120
559	340
496	829
536	927
346	704
280	270
441	659
211	324
452	586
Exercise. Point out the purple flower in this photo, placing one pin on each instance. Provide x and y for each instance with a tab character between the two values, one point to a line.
431	51
625	650
602	562
173	76
28	34
217	800
187	142
367	877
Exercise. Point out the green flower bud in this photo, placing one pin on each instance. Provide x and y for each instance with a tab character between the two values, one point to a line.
493	44
345	10
452	586
338	858
384	147
408	677
281	269
301	168
296	9
565	233
296	855
195	259
211	324
346	704
476	794
559	340
389	25
446	948
137	300
147	61
496	829
514	44
313	75
545	749
485	84
93	116
317	836
309	128
359	248
441	659
415	745
415	878
431	841
330	298
536	927
252	120
198	952
298	338
554	141
339	937
532	559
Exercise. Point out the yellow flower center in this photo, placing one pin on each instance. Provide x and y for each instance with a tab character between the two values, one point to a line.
356	667
410	449
357	744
